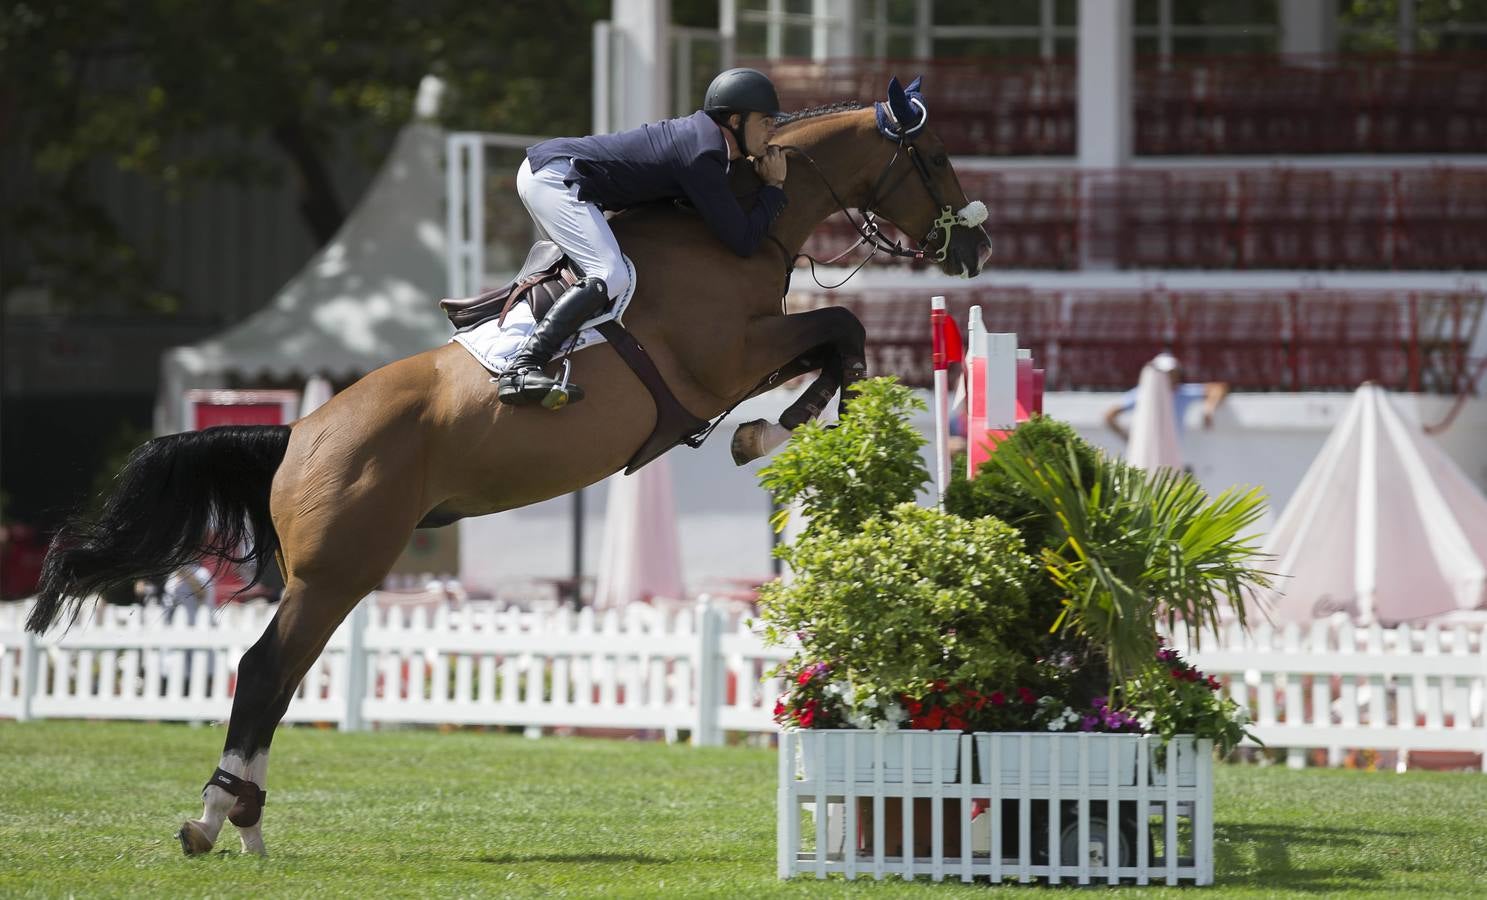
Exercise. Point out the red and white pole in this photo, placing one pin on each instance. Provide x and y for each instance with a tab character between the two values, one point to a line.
938	340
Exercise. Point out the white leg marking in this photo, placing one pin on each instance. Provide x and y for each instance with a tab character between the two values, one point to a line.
252	836
216	802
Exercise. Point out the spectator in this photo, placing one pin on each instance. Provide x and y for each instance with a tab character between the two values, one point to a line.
188	588
1184	395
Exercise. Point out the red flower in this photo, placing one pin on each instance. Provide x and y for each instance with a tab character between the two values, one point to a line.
805	677
939	686
1177	674
805	717
998	698
980	702
960	708
779	707
914	707
1213	683
955	722
934	718
1027	696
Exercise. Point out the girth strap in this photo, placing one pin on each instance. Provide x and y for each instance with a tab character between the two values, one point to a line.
249	806
674	423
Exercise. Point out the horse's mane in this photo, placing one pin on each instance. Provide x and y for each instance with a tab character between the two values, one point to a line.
815	112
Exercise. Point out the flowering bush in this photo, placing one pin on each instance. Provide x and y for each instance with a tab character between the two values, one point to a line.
905	617
1172	698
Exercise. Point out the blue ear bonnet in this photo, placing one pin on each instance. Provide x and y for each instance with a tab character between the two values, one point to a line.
904	113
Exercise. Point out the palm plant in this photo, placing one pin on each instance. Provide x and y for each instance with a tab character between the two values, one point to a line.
1137	548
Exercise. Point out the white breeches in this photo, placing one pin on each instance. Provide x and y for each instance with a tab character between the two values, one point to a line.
577	226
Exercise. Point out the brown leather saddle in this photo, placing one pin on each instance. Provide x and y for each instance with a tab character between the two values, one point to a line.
542	279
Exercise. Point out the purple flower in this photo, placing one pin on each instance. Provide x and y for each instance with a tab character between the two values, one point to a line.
1088	723
1099	702
1166	656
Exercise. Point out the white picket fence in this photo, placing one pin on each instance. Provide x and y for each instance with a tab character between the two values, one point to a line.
699	670
1337	687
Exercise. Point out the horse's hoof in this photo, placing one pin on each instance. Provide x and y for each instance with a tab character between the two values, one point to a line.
745	445
752	440
193	840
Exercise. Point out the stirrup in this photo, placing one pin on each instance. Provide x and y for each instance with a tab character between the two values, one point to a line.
558	395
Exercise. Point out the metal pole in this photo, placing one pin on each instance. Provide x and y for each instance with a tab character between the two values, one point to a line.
578	548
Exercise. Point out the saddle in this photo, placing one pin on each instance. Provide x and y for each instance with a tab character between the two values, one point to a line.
542	279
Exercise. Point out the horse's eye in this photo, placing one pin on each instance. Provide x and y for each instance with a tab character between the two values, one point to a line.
939	159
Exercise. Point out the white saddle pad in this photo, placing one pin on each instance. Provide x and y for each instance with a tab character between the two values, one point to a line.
493	343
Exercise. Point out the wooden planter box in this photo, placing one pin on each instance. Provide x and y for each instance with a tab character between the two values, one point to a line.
1041	800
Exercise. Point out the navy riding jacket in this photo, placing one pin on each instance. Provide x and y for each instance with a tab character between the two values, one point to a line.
673	158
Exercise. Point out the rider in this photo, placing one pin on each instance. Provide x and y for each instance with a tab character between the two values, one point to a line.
567	183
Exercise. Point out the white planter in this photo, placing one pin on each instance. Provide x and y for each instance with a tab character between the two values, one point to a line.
1041	750
1187	765
1042	753
828	750
1053	807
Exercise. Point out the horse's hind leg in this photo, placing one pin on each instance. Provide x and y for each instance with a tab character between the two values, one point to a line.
267	677
314	604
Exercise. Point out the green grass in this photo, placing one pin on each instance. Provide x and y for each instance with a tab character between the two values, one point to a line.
90	809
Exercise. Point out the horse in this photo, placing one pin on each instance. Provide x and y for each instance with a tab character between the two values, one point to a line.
334	498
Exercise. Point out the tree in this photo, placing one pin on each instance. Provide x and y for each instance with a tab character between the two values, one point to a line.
130	82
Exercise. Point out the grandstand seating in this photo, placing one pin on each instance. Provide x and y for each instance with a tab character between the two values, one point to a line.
1224	105
1220	218
1255	340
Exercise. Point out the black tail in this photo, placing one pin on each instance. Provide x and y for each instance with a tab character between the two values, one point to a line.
178	498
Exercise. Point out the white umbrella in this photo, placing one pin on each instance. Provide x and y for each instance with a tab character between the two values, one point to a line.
641	557
317	393
1153	442
1383	526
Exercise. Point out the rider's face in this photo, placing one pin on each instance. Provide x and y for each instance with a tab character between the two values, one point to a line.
758	129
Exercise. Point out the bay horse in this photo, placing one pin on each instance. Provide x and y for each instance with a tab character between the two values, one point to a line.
421	442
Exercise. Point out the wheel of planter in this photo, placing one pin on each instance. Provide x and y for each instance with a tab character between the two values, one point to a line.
1098	829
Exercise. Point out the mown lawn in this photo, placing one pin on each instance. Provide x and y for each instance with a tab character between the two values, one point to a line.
90	809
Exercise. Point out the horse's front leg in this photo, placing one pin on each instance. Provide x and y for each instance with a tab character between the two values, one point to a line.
834	342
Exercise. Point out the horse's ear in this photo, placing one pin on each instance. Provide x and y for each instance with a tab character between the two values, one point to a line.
914	86
898	102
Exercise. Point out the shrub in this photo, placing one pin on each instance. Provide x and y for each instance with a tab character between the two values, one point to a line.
861	467
904	601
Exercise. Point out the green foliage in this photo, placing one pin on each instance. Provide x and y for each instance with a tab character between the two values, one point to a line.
900	601
863	466
1080	670
995	493
187	94
1137	548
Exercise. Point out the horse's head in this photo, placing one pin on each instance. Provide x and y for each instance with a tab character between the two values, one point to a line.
917	189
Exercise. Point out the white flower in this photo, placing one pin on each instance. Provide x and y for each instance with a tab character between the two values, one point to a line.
869	702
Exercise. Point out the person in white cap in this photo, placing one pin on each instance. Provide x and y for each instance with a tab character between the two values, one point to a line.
1184	395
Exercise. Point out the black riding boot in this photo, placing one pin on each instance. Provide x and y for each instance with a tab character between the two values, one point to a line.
524	382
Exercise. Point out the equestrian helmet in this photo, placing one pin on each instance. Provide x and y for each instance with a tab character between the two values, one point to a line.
741	91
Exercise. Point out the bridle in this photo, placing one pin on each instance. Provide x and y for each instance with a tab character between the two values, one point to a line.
868	231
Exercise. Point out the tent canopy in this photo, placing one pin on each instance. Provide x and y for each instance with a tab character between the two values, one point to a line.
369	297
1384	526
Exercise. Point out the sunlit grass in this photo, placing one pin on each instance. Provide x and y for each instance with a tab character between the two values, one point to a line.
90	809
